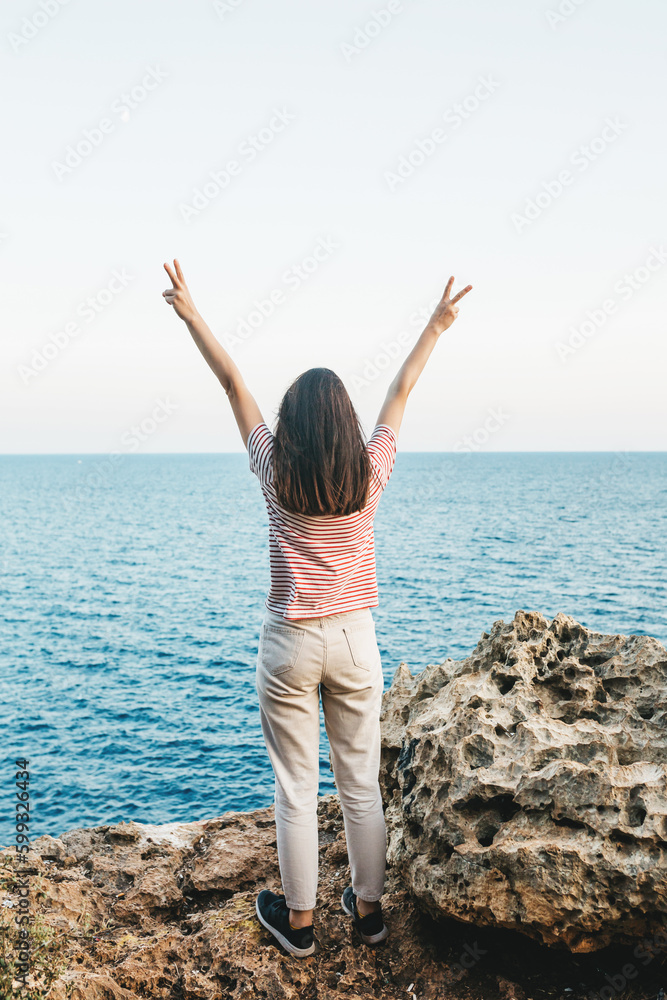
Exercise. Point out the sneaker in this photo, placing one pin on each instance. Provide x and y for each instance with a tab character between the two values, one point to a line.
371	927
273	913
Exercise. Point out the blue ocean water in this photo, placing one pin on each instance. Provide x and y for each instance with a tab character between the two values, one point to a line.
133	592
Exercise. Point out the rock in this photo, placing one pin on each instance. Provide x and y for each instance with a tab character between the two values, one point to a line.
232	850
526	786
49	847
165	911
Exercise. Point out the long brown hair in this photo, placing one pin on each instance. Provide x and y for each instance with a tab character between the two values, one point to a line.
321	464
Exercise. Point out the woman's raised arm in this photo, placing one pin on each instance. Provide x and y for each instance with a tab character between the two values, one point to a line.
244	407
397	395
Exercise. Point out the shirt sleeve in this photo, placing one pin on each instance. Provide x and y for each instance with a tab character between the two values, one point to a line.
260	452
382	450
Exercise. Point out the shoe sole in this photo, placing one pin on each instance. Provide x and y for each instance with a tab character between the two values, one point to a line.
367	938
293	950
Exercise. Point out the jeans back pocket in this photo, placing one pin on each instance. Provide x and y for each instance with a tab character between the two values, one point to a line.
279	647
363	645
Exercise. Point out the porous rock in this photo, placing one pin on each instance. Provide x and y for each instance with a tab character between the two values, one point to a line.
526	785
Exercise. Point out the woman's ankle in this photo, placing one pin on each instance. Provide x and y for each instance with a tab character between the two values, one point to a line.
365	907
300	918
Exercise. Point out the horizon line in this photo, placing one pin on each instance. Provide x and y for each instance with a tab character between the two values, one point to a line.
522	451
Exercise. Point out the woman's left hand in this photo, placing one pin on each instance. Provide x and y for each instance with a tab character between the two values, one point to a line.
179	295
446	311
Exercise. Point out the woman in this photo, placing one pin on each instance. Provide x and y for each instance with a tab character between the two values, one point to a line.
321	484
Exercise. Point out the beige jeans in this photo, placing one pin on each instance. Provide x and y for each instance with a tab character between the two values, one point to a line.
335	657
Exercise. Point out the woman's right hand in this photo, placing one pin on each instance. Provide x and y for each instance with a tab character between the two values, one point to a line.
178	295
446	311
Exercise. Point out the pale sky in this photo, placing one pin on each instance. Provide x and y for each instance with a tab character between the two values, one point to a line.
363	152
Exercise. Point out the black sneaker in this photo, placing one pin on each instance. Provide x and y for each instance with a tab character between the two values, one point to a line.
273	913
371	927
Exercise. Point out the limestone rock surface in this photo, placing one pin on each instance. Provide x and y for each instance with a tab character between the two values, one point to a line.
134	910
526	785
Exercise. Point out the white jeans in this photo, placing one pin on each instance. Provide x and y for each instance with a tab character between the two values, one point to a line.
337	657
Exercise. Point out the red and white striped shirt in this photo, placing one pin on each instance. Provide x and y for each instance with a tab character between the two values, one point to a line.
322	565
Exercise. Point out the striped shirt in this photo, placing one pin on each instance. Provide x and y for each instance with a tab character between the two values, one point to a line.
321	565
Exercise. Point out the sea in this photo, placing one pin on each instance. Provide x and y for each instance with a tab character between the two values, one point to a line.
133	591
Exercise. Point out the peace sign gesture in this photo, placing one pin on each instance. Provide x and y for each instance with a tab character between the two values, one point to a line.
446	311
179	296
